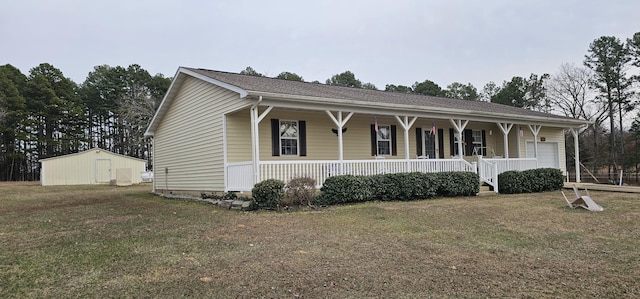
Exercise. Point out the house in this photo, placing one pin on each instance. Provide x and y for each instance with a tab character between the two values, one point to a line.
94	166
220	131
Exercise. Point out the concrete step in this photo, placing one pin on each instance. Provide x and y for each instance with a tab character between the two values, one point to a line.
485	190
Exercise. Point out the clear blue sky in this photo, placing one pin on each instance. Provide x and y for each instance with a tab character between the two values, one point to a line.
382	42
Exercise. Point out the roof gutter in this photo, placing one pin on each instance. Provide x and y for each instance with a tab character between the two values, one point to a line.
410	108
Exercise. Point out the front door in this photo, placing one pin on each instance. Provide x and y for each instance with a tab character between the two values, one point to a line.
430	145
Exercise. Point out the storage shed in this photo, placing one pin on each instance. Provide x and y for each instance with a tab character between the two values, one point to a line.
94	166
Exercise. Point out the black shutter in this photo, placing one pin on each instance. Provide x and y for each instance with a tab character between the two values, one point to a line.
275	137
302	127
468	138
441	143
394	144
418	141
452	144
374	144
484	143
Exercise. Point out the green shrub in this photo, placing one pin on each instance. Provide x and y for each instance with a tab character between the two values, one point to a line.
510	182
426	185
403	186
384	187
528	181
268	193
457	183
552	178
300	191
344	189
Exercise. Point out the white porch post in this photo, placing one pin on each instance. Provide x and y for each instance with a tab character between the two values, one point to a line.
406	125
256	118
340	122
535	129
576	146
459	125
505	128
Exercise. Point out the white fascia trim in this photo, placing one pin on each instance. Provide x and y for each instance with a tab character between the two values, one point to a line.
161	107
243	93
394	109
178	78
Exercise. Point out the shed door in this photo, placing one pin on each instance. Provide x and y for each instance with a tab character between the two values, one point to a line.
103	171
547	154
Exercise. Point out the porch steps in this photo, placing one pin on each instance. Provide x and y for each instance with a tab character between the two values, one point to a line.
486	191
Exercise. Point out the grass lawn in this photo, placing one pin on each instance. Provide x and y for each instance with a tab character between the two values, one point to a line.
102	241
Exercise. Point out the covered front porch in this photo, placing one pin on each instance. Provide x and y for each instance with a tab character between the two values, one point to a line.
240	175
288	142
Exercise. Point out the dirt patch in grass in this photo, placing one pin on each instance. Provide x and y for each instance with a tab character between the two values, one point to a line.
122	242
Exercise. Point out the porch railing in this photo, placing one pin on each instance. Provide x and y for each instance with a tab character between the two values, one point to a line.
488	172
518	164
240	175
490	168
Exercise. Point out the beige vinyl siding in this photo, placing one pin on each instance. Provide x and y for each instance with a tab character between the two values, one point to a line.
239	136
189	140
80	168
322	144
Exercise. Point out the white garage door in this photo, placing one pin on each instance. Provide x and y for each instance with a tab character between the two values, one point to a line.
547	154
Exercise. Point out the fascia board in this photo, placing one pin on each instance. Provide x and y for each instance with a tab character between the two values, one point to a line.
316	103
173	89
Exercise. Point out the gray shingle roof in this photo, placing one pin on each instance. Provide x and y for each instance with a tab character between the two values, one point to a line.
296	88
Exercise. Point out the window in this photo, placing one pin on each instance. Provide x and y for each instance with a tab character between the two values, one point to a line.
288	137
477	142
384	140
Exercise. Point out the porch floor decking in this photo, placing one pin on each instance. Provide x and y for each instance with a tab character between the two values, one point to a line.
603	187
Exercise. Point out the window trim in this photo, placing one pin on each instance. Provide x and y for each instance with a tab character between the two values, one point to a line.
389	140
297	138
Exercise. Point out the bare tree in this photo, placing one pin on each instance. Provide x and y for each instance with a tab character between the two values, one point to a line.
571	94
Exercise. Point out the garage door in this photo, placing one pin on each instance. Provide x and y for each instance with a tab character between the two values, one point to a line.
547	154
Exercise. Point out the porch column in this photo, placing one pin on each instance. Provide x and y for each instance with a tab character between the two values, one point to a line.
406	125
576	147
256	118
535	129
505	128
459	125
340	122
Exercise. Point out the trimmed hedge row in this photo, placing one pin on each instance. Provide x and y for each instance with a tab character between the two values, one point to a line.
397	186
529	181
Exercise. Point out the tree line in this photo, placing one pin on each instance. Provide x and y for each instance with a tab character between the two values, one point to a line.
44	114
602	90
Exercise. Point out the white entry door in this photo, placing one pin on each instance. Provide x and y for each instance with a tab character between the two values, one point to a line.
548	156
